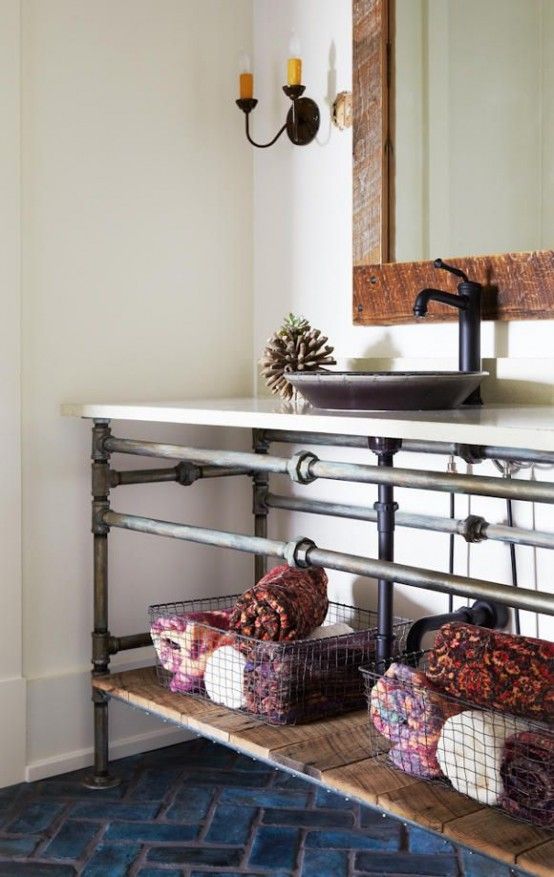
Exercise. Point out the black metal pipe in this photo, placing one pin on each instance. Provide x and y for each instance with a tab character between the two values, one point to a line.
142	476
175	473
260	487
386	508
132	641
513	563
101	480
483	613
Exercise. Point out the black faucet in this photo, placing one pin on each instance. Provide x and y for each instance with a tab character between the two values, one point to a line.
468	302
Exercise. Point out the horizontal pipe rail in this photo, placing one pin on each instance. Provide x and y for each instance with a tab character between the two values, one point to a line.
536	601
133	641
487	452
142	476
521	598
202	535
313	468
497	532
199	456
158	476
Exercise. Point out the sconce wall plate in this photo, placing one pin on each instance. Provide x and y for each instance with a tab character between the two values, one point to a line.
301	124
342	110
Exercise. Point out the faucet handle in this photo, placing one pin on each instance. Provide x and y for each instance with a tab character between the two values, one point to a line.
438	263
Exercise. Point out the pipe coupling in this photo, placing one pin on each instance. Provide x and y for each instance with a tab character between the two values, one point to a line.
100	432
99	509
187	473
299	467
101	651
470	453
473	528
296	553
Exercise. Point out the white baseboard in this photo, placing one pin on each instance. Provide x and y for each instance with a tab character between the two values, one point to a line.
59	764
12	730
60	731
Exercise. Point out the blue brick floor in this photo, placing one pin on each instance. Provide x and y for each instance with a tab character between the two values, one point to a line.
199	809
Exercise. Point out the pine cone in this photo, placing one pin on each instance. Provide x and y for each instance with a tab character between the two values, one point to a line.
294	347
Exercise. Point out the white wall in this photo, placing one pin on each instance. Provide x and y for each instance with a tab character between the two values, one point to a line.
302	262
136	248
12	687
137	192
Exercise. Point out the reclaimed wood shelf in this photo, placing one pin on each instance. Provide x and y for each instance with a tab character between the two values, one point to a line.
338	754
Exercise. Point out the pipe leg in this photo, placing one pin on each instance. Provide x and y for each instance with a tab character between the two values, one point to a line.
260	487
100	777
386	508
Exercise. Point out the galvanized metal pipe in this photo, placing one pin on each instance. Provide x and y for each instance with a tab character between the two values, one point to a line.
496	532
487	452
535	601
355	472
480	485
203	535
234	459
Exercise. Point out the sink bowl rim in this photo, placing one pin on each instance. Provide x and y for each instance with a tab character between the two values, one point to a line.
323	373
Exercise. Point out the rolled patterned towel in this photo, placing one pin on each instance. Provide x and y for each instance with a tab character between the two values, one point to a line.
470	751
290	683
527	772
286	604
224	677
492	669
405	709
184	642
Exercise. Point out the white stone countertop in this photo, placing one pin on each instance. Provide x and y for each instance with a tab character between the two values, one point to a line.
520	426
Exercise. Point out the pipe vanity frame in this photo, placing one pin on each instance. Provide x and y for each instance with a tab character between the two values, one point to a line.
305	467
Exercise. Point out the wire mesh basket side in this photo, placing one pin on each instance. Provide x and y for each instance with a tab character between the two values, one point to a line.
279	682
493	757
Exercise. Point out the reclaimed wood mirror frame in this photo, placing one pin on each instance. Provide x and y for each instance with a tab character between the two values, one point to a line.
517	285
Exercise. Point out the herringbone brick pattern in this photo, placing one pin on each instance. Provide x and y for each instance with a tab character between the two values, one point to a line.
199	809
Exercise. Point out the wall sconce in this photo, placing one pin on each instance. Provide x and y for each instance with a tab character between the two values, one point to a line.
302	121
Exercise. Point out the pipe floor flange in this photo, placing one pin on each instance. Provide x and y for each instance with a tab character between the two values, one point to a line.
104	781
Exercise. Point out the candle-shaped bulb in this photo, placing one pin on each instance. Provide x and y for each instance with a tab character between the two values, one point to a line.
246	78
294	63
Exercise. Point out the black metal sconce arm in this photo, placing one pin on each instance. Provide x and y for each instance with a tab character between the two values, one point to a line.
302	122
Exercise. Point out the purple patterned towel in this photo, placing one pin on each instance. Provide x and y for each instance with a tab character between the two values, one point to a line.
185	642
406	710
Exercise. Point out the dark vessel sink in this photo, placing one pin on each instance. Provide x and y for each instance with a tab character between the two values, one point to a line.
386	391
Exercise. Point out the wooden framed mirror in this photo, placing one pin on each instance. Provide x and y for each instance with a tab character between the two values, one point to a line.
441	97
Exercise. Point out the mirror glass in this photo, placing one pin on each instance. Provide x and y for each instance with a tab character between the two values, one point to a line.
473	127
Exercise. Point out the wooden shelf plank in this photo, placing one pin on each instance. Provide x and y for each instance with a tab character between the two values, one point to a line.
539	860
430	804
338	753
496	834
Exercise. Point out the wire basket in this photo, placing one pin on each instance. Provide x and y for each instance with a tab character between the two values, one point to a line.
493	757
282	683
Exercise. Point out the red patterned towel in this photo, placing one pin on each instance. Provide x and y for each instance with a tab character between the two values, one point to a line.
527	772
286	604
501	671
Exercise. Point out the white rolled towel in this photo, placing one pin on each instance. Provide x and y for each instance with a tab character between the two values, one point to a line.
470	750
224	677
327	630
